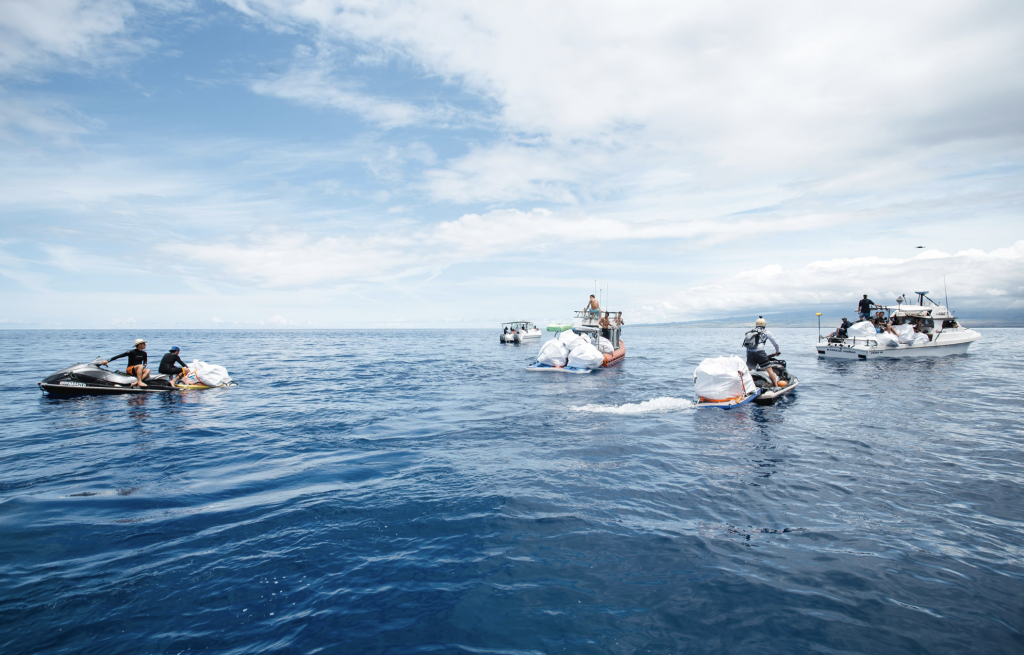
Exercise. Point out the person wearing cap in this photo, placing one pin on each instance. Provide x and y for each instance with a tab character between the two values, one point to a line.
137	360
169	365
840	332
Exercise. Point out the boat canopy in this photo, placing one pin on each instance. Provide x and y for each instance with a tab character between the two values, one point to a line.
519	324
928	311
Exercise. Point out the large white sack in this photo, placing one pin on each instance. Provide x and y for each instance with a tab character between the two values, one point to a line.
605	346
722	378
921	339
585	355
553	353
210	375
861	330
905	333
570	339
887	340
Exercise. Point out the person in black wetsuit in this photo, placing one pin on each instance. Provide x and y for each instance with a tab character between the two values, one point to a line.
137	360
169	365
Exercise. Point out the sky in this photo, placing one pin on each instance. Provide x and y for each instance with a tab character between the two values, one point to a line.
334	164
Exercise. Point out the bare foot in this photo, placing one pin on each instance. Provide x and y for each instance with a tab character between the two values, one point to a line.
143	384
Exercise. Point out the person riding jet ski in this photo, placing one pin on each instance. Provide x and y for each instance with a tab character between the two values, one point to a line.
169	365
137	360
754	341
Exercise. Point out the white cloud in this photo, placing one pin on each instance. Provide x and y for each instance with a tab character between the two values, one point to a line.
36	34
310	85
973	277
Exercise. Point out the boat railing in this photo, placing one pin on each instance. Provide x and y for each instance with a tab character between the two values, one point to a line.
852	341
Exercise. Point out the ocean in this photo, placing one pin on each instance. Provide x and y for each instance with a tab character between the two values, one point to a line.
420	492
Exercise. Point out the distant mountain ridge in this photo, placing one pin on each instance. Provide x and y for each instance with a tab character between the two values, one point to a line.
832	315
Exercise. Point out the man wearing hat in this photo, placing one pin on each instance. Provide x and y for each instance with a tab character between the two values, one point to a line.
137	360
169	365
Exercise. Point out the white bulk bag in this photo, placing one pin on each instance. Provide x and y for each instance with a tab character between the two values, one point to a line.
905	333
921	339
585	355
887	340
605	346
722	378
210	375
862	330
553	353
570	339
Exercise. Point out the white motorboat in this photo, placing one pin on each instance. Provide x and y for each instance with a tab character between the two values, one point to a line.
943	332
518	331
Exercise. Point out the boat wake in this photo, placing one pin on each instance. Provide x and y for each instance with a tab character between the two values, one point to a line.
655	406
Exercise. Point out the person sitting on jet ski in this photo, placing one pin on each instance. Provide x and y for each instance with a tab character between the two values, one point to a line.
169	365
756	356
137	360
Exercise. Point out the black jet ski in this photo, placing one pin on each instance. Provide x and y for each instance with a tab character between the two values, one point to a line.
93	378
769	393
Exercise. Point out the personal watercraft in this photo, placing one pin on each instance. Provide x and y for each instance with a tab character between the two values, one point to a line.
768	392
94	378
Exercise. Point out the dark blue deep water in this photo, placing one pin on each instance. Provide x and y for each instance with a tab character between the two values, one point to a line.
419	492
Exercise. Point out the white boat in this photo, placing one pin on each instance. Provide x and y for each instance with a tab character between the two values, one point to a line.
518	331
945	335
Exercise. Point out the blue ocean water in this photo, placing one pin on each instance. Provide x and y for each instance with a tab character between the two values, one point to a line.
419	491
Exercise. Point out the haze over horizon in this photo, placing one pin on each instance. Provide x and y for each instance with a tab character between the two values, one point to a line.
321	163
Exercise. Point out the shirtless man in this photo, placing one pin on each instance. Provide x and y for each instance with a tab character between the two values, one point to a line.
593	307
604	323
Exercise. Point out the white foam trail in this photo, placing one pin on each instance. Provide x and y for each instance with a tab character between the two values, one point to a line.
655	406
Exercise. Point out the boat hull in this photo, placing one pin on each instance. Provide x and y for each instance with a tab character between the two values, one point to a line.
728	404
89	390
537	367
840	351
769	397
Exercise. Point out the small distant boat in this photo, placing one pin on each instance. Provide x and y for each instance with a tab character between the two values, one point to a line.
939	333
518	331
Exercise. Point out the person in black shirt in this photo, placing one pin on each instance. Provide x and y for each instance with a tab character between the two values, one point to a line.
169	365
840	332
864	308
137	360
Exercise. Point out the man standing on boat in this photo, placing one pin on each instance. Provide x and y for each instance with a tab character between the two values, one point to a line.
754	342
864	308
593	307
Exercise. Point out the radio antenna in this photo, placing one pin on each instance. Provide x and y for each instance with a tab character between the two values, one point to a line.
944	292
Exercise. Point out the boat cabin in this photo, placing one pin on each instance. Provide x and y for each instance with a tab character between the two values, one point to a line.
588	323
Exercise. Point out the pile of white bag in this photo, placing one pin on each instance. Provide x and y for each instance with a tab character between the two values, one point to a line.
210	375
722	378
862	330
905	333
570	349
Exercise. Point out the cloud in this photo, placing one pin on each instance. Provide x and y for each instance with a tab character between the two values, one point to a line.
973	278
310	85
37	34
784	73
